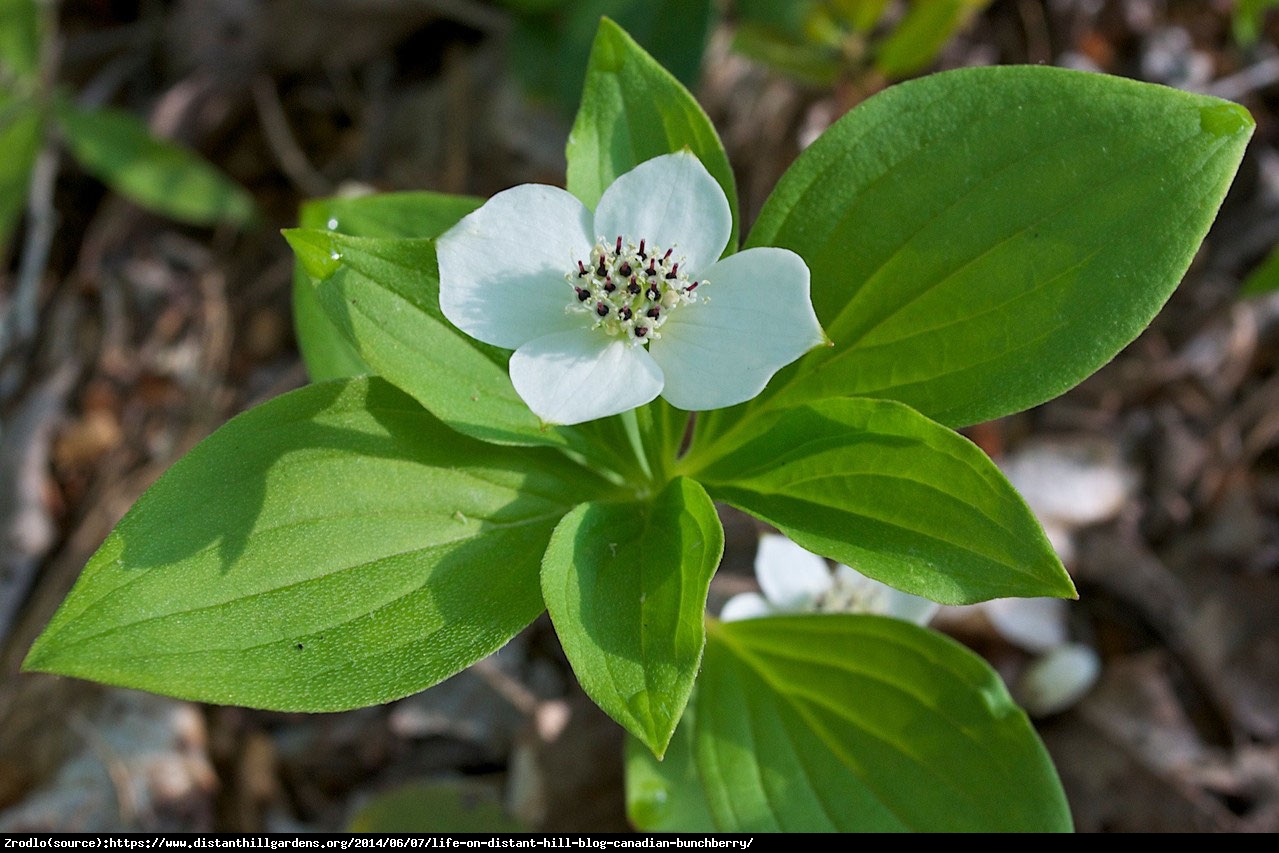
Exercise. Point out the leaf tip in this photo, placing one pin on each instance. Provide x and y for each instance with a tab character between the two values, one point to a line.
1225	118
315	251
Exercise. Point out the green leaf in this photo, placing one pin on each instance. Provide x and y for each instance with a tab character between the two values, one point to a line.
455	805
19	38
665	794
549	51
324	348
333	548
866	723
1249	19
814	63
625	584
983	239
875	485
19	140
163	177
1264	278
633	110
922	33
383	296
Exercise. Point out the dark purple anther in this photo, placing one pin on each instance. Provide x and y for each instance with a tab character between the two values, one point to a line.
674	272
609	287
624	312
655	312
652	270
624	270
667	256
641	250
653	294
618	251
582	294
633	288
641	331
601	270
692	287
581	270
601	309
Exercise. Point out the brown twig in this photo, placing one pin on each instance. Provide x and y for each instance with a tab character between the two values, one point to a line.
275	124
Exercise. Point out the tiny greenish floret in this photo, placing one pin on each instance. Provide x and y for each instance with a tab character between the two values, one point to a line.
630	288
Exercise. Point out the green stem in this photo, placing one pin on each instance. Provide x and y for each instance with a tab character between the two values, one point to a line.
630	421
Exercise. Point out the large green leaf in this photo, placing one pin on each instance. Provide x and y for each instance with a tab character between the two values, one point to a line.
843	722
634	110
335	547
383	295
625	584
171	180
875	485
19	140
983	239
324	348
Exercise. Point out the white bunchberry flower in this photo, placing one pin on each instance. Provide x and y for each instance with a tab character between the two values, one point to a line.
795	580
607	310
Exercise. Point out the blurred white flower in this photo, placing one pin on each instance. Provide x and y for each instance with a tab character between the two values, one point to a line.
1057	679
795	580
1059	672
606	311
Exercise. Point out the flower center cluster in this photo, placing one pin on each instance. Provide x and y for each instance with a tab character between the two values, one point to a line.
850	598
630	289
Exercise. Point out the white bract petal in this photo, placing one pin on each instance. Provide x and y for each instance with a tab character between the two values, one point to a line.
575	376
791	577
755	318
608	310
502	267
1058	679
853	592
746	605
673	202
1034	624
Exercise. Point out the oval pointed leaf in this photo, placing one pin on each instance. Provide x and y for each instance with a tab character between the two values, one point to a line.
876	485
383	296
171	180
864	723
625	584
634	110
324	348
333	548
983	239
